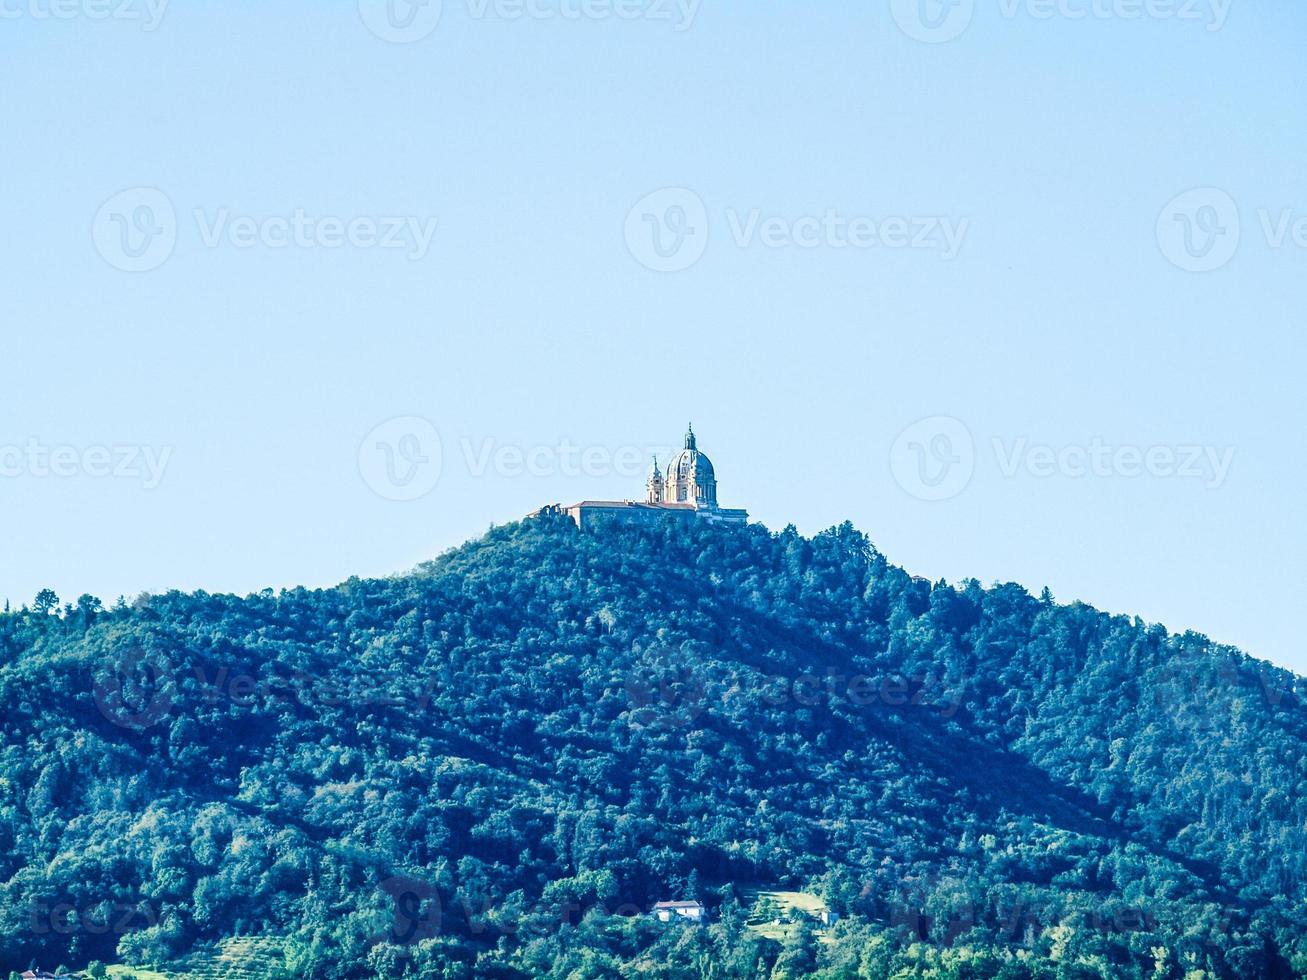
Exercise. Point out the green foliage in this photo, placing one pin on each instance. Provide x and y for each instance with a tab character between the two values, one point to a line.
493	766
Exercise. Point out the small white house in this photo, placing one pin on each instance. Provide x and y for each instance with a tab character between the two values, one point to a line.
667	911
828	918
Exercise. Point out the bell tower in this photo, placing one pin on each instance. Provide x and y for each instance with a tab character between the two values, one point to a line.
654	487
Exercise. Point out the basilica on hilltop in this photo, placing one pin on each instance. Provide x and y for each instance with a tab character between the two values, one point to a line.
687	490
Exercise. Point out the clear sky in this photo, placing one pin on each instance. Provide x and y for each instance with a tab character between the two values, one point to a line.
938	270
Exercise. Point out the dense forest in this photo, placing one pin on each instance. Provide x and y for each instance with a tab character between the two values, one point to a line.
495	765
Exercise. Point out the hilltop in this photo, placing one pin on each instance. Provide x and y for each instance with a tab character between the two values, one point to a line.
488	766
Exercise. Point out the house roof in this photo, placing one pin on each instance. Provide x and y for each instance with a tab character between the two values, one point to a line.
678	905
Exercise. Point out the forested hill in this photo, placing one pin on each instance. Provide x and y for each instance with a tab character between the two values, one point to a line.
485	767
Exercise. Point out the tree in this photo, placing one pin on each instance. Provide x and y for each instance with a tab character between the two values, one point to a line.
46	600
88	607
694	886
799	956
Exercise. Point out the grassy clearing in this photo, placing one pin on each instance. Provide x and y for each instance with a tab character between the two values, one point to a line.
777	925
241	958
140	972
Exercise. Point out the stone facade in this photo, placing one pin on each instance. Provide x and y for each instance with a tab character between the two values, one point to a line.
687	490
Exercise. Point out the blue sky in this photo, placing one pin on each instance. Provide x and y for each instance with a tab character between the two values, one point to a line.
299	291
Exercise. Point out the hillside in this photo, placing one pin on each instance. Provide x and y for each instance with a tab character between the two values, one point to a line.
485	767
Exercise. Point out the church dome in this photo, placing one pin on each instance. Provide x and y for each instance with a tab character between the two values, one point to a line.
690	462
690	477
